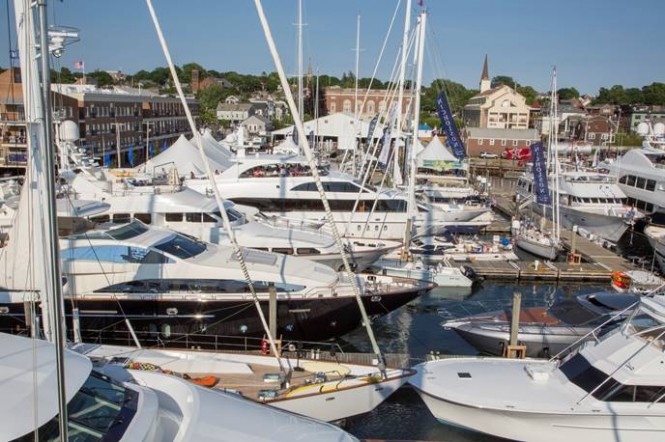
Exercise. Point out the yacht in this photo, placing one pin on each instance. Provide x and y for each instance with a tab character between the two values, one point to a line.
640	173
109	402
538	242
158	203
611	389
639	282
283	185
590	200
165	282
435	249
656	236
442	274
543	330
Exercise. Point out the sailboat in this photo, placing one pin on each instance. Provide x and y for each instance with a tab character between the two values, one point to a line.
536	239
58	394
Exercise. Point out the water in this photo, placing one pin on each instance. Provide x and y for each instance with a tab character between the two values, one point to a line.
415	330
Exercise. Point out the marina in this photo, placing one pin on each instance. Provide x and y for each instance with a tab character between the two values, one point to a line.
280	268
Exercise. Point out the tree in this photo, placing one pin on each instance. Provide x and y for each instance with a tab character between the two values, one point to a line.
503	79
186	76
64	76
567	93
102	78
529	94
654	94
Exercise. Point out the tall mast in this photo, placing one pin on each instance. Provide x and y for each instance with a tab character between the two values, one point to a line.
301	104
400	86
355	95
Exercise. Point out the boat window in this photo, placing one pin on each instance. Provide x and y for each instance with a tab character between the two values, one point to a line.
232	213
129	231
207	218
145	218
631	180
114	253
121	218
182	246
100	219
283	250
651	185
193	217
623	179
640	183
581	373
196	285
101	410
308	251
174	217
635	393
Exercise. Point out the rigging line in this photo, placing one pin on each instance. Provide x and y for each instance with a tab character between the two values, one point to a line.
319	186
218	197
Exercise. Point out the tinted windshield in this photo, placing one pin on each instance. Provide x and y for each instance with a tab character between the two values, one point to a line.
181	246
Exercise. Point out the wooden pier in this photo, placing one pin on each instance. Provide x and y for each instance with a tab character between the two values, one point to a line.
589	261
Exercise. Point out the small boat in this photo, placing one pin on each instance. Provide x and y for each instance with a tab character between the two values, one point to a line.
535	241
544	331
442	274
609	390
635	281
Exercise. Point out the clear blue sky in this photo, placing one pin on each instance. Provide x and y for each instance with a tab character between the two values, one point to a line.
593	43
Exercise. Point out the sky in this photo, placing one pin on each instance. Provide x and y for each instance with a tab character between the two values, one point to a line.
592	43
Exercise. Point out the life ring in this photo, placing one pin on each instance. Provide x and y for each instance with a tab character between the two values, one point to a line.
291	347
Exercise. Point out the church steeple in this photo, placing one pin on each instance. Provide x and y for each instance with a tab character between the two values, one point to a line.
485	82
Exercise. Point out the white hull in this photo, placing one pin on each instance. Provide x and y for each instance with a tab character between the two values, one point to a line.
442	276
534	426
606	226
655	235
546	251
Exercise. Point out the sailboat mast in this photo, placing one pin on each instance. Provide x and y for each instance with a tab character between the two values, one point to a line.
301	104
355	96
411	210
555	157
400	87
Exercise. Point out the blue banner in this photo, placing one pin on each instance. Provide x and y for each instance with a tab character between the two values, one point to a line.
164	146
540	185
151	150
370	131
107	160
449	127
130	155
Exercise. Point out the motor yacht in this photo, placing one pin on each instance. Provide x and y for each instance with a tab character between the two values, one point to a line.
165	282
283	185
109	402
610	389
589	200
656	236
156	202
544	331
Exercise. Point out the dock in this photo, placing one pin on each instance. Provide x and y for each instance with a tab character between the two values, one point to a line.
591	261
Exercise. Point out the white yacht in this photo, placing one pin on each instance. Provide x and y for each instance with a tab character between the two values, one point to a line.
641	172
589	200
158	203
611	389
109	402
168	283
284	186
534	240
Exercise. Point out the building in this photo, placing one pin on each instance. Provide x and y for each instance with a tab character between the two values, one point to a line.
643	114
500	107
235	113
338	99
496	141
257	125
13	143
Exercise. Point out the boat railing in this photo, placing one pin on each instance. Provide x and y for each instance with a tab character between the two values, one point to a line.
198	341
593	333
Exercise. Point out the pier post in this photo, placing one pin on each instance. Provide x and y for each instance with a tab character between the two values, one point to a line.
272	309
515	318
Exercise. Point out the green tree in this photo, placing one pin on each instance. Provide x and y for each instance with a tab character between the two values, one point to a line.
102	78
567	93
503	79
529	94
654	94
614	95
186	76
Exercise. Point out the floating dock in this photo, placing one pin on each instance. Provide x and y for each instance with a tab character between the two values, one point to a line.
591	261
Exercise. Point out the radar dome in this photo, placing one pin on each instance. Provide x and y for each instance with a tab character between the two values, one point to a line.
659	129
69	131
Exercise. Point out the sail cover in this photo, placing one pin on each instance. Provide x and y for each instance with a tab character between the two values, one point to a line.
449	127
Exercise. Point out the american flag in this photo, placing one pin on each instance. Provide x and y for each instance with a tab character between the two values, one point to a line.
79	65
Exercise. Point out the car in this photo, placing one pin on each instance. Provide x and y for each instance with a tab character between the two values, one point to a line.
488	155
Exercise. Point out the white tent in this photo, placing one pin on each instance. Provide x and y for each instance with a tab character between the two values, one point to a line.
216	152
435	153
184	157
287	147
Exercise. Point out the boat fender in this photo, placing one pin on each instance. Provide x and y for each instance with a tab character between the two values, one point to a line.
264	346
291	347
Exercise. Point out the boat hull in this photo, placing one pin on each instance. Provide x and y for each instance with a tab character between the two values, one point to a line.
164	321
534	426
604	226
546	251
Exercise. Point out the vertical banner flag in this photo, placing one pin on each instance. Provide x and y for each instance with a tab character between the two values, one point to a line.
130	155
107	160
370	131
151	150
164	146
540	186
449	127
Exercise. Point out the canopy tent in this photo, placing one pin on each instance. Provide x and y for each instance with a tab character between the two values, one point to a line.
437	156
184	157
215	151
288	146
